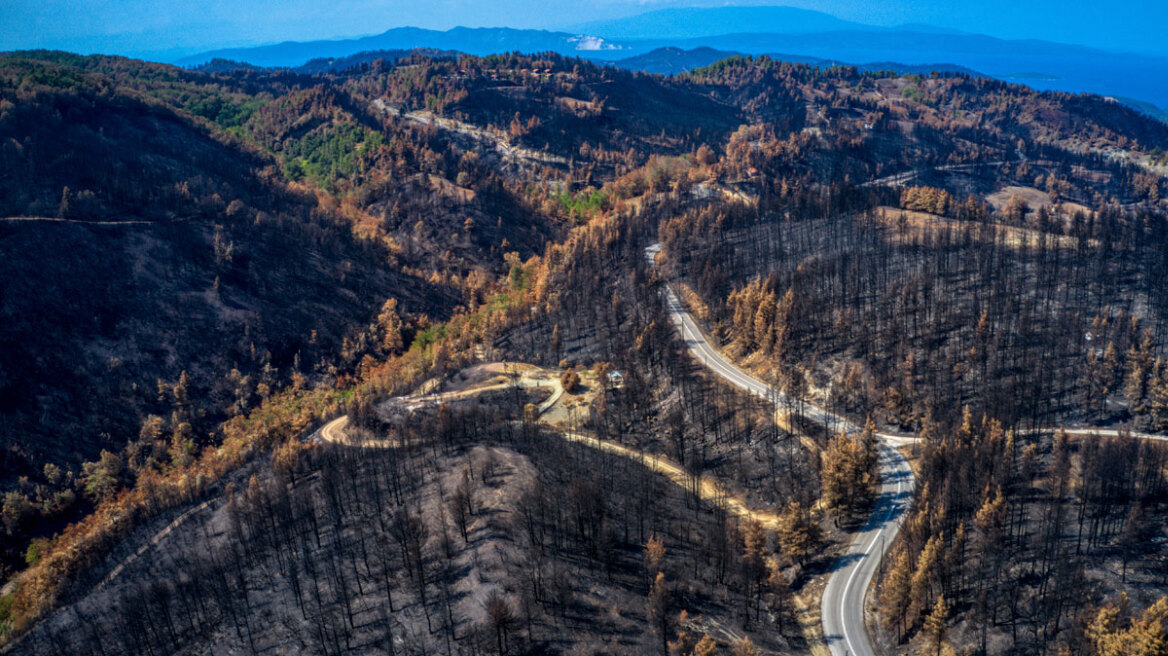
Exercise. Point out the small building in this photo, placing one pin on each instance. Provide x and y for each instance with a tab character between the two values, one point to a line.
616	379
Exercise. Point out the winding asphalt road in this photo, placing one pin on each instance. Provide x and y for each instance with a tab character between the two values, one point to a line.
843	598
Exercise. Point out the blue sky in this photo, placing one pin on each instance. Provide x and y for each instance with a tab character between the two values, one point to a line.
146	27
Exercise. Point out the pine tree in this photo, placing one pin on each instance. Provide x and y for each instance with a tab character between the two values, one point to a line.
849	471
754	564
501	617
658	611
745	648
990	521
1158	395
925	573
654	556
1132	537
784	318
935	625
799	535
780	600
65	207
1144	636
764	318
390	325
955	560
684	644
1112	368
1135	385
896	590
705	647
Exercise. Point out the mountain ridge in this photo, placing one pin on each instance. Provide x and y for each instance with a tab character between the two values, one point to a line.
1072	68
671	60
471	40
691	22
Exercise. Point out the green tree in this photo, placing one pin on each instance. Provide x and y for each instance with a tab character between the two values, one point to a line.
515	271
103	477
15	510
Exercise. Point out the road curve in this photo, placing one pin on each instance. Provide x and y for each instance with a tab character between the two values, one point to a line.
843	598
905	177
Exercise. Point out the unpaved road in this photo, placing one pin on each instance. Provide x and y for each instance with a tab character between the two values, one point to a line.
705	487
843	598
903	178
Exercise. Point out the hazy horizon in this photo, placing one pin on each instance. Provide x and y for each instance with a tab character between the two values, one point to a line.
143	29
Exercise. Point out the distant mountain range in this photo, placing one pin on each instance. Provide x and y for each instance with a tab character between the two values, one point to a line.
675	40
695	22
473	41
328	64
